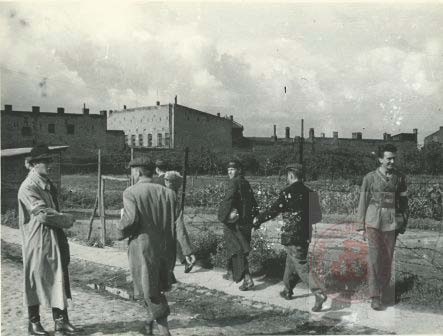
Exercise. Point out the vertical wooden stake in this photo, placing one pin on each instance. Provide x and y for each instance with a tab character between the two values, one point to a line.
102	211
99	179
132	158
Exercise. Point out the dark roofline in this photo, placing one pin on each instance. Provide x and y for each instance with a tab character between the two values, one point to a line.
10	152
55	114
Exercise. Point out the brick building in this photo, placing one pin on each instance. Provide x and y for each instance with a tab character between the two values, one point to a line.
14	172
403	141
174	126
436	137
84	133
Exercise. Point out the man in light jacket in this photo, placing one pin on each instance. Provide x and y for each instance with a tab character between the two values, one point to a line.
45	247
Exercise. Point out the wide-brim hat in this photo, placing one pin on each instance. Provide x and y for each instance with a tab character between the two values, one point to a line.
141	162
39	153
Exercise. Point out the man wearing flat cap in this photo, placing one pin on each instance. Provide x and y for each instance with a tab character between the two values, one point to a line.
236	212
300	209
148	220
45	247
160	170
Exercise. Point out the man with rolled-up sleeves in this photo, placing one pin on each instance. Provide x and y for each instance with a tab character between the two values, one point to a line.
382	215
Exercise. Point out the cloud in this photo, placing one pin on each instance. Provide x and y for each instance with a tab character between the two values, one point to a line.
341	68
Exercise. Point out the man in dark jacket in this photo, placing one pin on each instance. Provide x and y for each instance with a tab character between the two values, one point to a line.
300	209
236	212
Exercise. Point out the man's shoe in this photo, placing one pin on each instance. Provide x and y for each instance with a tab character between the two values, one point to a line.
227	276
65	327
188	267
376	304
320	298
286	295
246	285
35	328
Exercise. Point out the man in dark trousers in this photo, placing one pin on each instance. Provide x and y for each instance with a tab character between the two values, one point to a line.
382	214
236	212
300	209
45	247
148	219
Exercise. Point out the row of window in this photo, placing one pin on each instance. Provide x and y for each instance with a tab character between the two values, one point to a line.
27	131
139	140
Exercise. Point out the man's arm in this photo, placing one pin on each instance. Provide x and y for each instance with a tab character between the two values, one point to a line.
129	217
403	204
363	204
273	211
45	215
226	205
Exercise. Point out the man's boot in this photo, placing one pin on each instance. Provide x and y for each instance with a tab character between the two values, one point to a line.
285	294
320	298
247	284
35	328
61	322
376	303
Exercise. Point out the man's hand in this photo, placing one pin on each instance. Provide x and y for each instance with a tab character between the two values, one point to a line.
255	223
190	259
121	213
362	233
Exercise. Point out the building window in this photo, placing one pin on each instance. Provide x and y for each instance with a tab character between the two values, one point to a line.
140	139
133	140
159	140
51	128
26	131
70	129
149	140
167	140
127	139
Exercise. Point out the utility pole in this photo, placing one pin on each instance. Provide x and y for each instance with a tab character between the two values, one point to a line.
301	143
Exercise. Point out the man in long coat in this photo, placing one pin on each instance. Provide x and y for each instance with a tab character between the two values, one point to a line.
45	247
148	220
383	214
236	212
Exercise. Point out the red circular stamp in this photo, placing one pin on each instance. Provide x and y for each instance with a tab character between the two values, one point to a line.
338	261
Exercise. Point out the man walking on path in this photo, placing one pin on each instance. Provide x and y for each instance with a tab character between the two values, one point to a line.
236	212
148	220
300	209
382	215
45	247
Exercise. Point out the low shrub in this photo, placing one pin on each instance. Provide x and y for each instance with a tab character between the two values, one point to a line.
10	218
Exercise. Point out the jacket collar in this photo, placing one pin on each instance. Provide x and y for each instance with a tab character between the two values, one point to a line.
41	181
144	179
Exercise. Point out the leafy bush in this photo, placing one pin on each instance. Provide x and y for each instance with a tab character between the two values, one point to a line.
205	244
10	218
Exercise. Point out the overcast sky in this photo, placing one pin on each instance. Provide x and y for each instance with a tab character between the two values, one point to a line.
371	68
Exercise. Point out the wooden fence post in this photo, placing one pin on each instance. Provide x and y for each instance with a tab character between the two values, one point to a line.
97	198
102	211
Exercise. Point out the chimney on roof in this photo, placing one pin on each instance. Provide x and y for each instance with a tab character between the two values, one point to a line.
60	110
275	132
231	117
323	135
287	132
175	100
103	112
158	102
124	107
335	135
35	109
218	114
311	133
8	108
85	111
